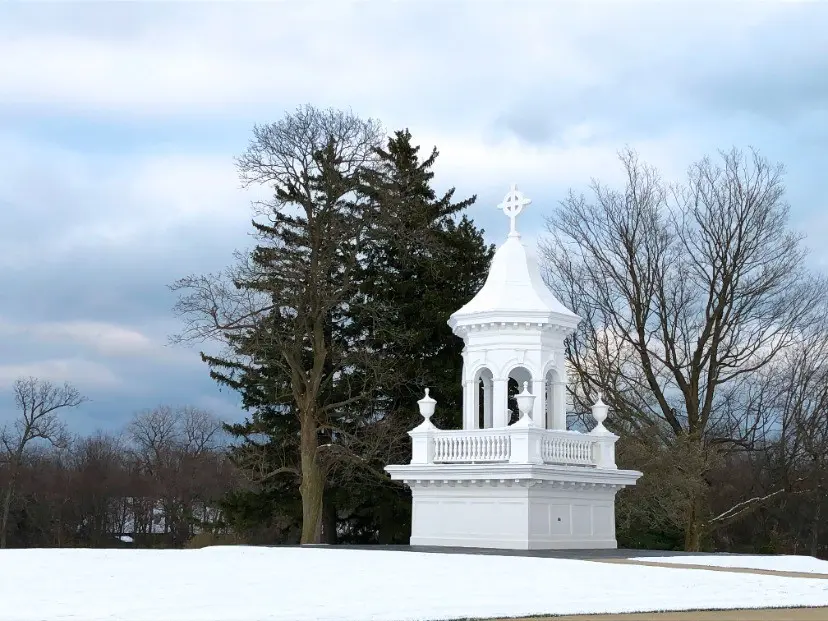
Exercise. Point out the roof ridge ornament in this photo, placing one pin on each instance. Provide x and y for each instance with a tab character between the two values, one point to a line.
512	205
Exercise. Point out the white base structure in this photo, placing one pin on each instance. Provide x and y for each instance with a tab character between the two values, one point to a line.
532	484
518	488
517	507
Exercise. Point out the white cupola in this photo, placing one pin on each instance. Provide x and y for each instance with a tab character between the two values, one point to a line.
526	484
513	329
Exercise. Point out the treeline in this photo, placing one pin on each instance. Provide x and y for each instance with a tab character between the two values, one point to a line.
156	484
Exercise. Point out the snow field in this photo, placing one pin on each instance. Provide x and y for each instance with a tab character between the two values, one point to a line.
241	583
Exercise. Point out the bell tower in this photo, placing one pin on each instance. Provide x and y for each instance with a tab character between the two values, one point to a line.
514	328
532	484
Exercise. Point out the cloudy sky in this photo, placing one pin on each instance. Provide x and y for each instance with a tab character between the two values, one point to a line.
119	122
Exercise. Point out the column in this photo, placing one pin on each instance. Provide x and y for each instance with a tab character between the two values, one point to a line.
475	418
539	407
500	414
559	401
488	398
469	402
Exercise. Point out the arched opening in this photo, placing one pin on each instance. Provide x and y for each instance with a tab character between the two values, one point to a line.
517	377
555	408
484	383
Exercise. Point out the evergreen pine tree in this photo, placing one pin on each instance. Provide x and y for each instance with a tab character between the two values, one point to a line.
358	288
282	313
422	261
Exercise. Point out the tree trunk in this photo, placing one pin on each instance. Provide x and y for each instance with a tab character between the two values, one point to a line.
7	500
816	522
312	487
329	534
695	526
4	522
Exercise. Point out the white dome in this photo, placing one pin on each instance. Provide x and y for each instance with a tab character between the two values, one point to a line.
514	291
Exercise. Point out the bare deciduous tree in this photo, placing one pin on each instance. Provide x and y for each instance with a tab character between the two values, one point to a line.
39	403
282	304
686	293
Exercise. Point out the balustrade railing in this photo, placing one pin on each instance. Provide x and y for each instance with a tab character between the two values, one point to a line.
495	445
567	448
482	445
521	443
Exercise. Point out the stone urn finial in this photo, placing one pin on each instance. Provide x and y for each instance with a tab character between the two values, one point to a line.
599	413
427	405
525	402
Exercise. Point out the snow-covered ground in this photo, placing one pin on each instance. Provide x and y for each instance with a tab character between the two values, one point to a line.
805	564
295	584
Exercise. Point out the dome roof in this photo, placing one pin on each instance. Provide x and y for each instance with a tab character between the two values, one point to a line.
514	289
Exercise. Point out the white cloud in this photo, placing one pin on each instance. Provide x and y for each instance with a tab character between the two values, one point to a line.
459	61
100	338
57	201
84	374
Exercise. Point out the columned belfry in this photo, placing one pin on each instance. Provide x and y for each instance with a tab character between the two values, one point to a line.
514	328
514	480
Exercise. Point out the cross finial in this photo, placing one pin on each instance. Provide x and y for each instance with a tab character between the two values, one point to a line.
513	203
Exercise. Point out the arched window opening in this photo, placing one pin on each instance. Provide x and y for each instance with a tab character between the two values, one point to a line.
555	407
483	398
517	377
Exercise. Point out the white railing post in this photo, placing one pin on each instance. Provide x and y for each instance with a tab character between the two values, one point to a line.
604	448
526	436
422	436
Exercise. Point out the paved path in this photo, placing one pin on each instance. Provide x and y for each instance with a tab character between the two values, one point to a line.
733	570
756	614
765	614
